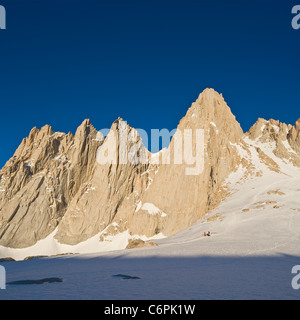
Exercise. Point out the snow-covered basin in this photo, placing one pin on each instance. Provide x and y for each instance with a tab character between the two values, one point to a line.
250	255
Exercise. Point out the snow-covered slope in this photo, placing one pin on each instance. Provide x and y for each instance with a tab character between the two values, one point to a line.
254	244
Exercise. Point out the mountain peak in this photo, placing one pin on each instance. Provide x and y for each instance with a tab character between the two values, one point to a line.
269	130
84	129
210	93
211	108
85	123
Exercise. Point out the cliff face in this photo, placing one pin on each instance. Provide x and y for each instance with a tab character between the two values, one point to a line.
112	189
177	189
38	183
59	182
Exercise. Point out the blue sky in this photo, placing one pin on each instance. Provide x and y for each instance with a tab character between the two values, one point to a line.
145	60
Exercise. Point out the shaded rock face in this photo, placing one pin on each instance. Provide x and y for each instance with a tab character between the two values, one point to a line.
55	181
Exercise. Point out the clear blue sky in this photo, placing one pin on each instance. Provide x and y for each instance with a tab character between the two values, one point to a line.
62	61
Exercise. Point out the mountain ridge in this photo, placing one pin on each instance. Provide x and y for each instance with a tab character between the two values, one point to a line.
54	185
